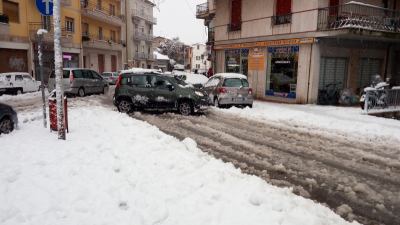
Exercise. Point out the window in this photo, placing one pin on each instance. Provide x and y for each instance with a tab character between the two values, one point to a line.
11	9
85	29
69	24
283	12
236	15
113	36
99	5
112	10
18	78
198	47
27	77
100	33
46	22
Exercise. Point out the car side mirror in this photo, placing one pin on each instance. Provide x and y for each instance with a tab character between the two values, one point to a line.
170	87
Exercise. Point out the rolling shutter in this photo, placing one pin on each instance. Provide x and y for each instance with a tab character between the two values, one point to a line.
333	70
368	68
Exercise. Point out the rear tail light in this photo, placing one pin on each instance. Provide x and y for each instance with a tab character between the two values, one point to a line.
250	91
222	90
118	83
71	77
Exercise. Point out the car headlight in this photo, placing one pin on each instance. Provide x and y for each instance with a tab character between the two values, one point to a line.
198	93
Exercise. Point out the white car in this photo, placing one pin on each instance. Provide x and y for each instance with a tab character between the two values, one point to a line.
17	83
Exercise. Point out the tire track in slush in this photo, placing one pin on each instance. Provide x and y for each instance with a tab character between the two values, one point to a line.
283	158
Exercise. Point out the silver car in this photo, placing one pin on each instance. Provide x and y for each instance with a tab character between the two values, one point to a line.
229	89
80	82
111	77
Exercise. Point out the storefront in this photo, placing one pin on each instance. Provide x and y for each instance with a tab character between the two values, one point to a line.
13	60
236	61
281	74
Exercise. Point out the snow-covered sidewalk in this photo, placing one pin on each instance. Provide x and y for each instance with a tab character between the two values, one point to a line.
117	170
342	122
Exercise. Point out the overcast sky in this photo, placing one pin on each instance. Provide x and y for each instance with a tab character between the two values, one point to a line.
177	18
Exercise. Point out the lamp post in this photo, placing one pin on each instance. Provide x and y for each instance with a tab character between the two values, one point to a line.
40	34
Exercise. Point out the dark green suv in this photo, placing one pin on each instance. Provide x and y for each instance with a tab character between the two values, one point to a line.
153	91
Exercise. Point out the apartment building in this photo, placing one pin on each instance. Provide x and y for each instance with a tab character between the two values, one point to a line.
19	22
291	49
102	39
199	58
139	33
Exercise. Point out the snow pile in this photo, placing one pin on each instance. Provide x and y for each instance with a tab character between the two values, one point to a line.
116	170
329	120
21	97
42	31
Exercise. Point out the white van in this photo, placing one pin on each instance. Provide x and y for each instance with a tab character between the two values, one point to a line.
17	83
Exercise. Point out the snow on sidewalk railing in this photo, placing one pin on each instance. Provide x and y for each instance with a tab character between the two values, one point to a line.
380	101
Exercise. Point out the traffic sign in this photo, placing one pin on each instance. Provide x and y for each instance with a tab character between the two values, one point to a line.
45	7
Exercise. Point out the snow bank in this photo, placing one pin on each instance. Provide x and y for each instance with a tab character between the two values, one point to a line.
329	120
116	170
24	97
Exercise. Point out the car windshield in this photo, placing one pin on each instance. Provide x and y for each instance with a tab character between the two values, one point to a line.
235	82
179	81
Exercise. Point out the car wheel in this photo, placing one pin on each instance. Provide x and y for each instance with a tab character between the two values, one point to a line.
6	126
216	103
125	106
185	108
81	92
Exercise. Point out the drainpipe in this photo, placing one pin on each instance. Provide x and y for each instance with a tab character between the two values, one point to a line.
309	74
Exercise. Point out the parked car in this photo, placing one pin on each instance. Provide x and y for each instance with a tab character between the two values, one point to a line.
154	91
8	119
229	89
111	77
17	83
80	82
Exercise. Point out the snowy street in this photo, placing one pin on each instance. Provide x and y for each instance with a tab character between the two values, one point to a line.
356	177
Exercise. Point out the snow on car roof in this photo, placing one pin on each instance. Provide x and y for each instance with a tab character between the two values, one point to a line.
14	73
139	70
230	75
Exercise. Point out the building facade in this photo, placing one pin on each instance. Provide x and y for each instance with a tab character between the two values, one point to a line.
199	59
292	49
102	40
19	22
139	33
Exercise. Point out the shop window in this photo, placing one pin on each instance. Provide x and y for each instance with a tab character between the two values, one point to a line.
69	24
236	15
283	12
236	61
11	9
282	71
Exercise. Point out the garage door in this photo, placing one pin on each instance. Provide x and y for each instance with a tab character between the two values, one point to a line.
13	60
333	70
368	68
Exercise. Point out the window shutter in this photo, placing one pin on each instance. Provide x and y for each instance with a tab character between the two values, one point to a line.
236	13
283	7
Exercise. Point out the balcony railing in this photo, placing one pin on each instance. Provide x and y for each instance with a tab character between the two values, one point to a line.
282	19
234	27
143	56
205	9
99	42
139	35
355	15
66	36
94	10
136	13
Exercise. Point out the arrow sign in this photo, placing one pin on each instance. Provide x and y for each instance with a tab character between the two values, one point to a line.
45	7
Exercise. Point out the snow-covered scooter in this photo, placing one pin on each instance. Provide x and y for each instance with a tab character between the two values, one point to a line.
376	96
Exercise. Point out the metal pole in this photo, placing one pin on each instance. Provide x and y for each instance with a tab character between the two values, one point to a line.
58	68
40	54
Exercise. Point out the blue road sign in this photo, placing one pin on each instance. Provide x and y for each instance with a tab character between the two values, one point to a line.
45	7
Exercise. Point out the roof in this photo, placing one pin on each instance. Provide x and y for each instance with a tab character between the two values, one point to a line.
230	75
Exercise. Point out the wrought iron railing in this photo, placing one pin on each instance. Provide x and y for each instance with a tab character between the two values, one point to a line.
281	19
139	35
358	16
91	6
35	26
377	101
202	9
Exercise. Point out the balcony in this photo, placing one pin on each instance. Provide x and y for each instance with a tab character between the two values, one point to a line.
282	19
141	36
96	12
206	10
358	16
96	42
144	56
66	36
140	14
